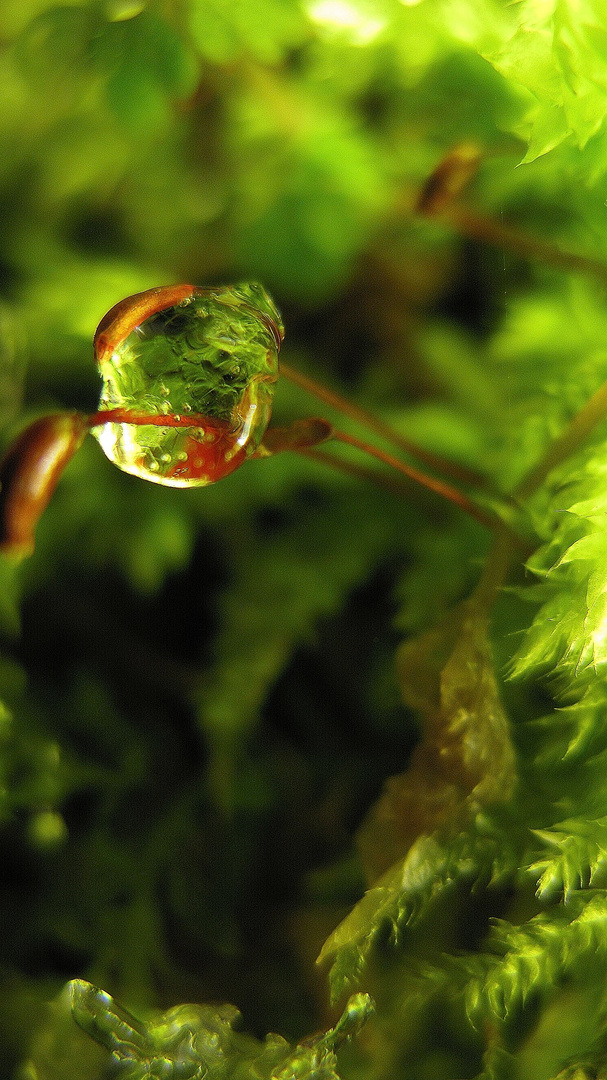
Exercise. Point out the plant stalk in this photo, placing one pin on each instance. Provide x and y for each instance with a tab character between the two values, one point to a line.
469	223
369	420
439	487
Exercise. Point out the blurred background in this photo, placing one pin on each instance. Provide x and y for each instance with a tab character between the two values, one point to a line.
199	703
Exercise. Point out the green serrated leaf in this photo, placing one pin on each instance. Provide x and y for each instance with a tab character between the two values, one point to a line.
576	856
432	866
534	957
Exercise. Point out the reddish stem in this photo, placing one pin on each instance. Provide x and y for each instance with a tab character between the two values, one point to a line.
360	472
172	420
440	487
362	416
469	223
446	491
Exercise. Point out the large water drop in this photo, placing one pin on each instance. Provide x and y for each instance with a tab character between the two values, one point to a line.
188	379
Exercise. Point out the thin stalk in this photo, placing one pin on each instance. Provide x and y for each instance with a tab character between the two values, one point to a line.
497	567
440	487
470	223
127	416
432	483
369	420
391	483
482	228
574	434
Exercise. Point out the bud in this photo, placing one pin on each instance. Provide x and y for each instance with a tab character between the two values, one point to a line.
449	179
29	473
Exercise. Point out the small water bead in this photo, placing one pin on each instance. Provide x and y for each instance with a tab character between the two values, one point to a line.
188	380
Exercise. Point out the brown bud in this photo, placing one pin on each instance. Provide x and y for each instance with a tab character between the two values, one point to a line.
300	435
29	473
449	179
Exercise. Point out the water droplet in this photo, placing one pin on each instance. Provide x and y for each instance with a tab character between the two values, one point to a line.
189	375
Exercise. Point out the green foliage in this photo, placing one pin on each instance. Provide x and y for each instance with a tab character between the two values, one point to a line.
434	864
558	54
536	956
577	859
568	632
224	32
196	1042
199	700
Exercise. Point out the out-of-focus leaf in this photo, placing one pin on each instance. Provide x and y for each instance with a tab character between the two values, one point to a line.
225	30
148	66
282	585
329	194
